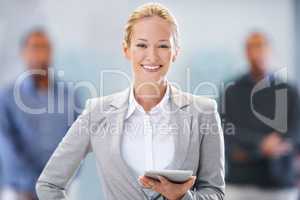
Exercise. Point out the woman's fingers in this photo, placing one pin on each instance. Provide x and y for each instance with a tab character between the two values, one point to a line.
190	182
144	183
163	180
148	182
167	188
174	190
152	184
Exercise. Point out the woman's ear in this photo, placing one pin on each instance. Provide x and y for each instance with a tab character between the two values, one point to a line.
126	51
176	51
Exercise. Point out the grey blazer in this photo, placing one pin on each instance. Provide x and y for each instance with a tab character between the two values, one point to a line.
199	146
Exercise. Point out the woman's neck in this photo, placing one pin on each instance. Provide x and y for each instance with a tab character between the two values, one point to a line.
148	95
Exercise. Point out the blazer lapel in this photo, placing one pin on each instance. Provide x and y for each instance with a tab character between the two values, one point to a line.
181	120
116	119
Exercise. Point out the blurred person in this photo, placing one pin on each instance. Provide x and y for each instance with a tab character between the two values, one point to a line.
29	135
260	153
151	125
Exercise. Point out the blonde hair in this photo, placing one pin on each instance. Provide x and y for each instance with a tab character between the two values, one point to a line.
150	10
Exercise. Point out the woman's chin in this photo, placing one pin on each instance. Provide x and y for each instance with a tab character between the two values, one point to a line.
150	78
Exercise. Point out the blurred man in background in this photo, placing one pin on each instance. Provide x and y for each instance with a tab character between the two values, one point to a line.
266	114
35	113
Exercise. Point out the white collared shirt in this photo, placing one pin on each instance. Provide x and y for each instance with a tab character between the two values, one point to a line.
148	141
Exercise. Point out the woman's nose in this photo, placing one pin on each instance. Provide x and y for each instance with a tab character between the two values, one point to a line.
152	54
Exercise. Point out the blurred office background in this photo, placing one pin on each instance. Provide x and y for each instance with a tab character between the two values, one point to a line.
87	37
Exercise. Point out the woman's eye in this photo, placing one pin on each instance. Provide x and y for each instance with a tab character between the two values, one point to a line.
142	45
164	46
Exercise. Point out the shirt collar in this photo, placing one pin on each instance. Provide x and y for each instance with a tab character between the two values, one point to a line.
133	104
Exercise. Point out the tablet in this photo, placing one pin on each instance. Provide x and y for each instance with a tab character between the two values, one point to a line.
177	176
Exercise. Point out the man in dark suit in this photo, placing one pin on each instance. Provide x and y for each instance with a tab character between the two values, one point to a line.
265	112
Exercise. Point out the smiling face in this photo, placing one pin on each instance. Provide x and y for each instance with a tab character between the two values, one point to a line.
151	50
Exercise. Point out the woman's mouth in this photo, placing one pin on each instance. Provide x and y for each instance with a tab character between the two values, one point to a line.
151	68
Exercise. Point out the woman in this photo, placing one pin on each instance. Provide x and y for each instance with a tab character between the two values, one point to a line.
151	125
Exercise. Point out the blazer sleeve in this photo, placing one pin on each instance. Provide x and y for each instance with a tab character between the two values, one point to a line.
210	183
65	160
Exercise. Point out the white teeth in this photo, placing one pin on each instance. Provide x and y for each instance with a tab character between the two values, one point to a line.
152	67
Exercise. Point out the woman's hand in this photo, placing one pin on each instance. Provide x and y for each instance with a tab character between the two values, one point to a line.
170	190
